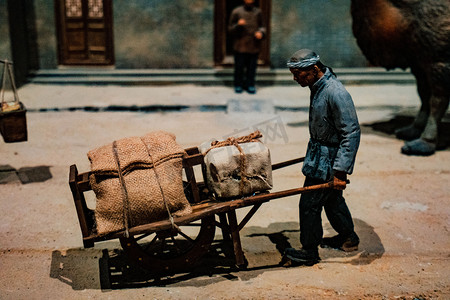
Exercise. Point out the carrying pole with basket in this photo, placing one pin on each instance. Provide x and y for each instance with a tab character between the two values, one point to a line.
13	122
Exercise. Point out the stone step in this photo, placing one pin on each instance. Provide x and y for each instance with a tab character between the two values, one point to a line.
265	76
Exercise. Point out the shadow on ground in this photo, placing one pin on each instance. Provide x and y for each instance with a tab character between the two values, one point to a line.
388	128
24	175
110	269
370	248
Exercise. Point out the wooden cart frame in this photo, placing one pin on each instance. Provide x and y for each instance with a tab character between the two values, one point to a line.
204	208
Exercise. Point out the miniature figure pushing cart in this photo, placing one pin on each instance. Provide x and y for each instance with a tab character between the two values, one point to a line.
175	244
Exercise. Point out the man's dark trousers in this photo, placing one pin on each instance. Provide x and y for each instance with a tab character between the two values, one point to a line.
245	64
336	209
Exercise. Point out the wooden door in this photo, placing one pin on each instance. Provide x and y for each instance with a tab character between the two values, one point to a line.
84	32
223	52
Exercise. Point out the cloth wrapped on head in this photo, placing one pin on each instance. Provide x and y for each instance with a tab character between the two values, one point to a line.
302	59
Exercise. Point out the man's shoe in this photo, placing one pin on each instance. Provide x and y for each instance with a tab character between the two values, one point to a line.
334	242
238	89
338	242
251	90
350	245
303	256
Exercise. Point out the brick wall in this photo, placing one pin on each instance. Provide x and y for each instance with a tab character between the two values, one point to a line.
321	25
5	45
163	34
180	33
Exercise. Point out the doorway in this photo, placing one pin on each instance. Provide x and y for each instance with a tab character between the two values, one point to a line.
84	30
223	52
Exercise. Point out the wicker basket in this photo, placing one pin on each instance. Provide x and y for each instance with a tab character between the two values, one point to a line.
13	123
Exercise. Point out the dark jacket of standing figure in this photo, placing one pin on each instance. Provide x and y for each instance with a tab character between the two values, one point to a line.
244	40
334	130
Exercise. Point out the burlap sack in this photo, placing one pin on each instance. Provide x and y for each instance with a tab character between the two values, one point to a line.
139	158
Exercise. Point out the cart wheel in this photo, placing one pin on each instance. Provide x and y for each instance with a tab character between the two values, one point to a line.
171	251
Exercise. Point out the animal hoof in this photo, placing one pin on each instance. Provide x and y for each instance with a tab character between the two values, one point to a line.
408	133
419	147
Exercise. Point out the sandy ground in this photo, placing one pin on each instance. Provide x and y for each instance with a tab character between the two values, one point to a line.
400	204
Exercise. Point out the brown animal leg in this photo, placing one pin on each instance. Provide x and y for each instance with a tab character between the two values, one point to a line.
414	130
426	144
438	107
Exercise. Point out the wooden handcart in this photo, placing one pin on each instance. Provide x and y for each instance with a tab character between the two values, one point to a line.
161	248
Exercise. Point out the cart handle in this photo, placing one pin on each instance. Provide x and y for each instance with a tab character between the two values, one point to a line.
287	163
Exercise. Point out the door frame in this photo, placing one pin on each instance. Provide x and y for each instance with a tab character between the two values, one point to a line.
60	17
221	31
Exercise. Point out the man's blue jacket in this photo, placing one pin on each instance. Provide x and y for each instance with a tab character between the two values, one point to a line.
334	130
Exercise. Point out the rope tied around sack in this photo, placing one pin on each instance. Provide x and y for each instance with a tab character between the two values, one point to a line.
252	137
126	202
232	141
174	226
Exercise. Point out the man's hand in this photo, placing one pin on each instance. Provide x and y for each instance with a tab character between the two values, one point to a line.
340	180
241	22
258	35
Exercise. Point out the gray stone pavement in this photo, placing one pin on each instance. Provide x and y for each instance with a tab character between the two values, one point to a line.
399	203
70	96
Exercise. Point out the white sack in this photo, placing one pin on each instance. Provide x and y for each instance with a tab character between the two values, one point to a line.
223	174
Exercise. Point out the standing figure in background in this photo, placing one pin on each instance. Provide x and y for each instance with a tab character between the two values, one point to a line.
248	31
334	140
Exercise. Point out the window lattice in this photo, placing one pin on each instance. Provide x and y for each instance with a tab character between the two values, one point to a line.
95	8
73	8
